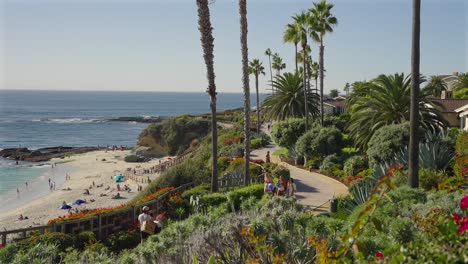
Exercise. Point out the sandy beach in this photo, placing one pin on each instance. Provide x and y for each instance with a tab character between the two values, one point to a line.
99	167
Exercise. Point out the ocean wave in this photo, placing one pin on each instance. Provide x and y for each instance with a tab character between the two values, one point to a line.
70	120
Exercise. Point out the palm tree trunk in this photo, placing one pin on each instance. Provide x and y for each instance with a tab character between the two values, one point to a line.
321	80
316	85
258	104
207	41
245	82
304	73
295	46
271	74
414	112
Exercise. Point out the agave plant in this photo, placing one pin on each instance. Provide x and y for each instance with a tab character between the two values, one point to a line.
360	191
434	153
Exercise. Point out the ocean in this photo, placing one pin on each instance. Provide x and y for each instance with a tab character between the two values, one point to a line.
36	119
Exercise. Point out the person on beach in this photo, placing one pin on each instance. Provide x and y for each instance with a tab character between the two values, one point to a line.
142	218
17	192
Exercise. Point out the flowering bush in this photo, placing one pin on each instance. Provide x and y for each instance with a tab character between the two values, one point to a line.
111	209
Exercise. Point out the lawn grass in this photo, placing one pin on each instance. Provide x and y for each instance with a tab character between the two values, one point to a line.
281	151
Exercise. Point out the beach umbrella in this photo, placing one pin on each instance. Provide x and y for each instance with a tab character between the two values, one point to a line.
79	201
65	206
118	178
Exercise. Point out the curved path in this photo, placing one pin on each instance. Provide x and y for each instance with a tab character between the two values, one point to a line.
314	190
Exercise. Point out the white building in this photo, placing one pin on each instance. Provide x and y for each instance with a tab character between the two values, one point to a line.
463	114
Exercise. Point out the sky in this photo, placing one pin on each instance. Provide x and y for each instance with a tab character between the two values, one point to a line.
154	45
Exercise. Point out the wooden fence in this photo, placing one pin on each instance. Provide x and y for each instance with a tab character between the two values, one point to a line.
102	225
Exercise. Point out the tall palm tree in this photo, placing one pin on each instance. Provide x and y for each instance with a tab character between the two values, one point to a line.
245	84
292	35
322	22
347	88
383	101
436	85
288	101
302	22
256	68
315	72
278	64
413	163
207	42
269	53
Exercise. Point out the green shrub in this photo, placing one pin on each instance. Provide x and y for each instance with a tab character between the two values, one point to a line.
85	238
223	163
408	195
233	151
281	171
213	199
430	179
256	143
285	133
401	229
313	163
386	142
196	191
7	254
320	141
134	158
329	162
236	197
123	240
354	165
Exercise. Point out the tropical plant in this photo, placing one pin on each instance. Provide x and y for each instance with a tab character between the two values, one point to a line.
291	35
322	22
347	88
286	132
278	64
256	68
301	23
461	93
384	101
207	41
269	54
354	165
288	99
245	84
461	82
435	86
315	73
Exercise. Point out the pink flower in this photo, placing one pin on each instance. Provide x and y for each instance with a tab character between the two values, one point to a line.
456	218
464	202
379	254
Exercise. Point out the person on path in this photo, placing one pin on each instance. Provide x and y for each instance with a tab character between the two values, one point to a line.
290	188
267	158
142	218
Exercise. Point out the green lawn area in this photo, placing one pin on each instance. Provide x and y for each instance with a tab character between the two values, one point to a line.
281	151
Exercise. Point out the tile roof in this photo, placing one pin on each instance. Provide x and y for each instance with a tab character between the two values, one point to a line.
449	105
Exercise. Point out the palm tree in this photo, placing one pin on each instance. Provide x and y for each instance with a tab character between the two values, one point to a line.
436	85
268	53
413	163
245	84
288	101
292	35
256	68
315	72
302	23
278	64
461	82
347	88
207	42
322	22
383	101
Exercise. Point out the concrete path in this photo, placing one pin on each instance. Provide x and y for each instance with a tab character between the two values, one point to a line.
314	190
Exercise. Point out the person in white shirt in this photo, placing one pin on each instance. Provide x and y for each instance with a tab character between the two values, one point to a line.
143	217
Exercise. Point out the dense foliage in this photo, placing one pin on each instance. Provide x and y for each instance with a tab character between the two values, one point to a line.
173	135
387	141
285	133
320	142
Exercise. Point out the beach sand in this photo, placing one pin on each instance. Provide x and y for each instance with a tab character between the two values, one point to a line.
87	167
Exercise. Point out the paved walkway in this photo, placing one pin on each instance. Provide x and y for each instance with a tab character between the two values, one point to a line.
313	189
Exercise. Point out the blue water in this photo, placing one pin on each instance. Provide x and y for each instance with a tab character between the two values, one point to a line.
36	119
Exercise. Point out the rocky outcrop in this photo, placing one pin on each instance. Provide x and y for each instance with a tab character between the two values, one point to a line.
136	119
43	154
